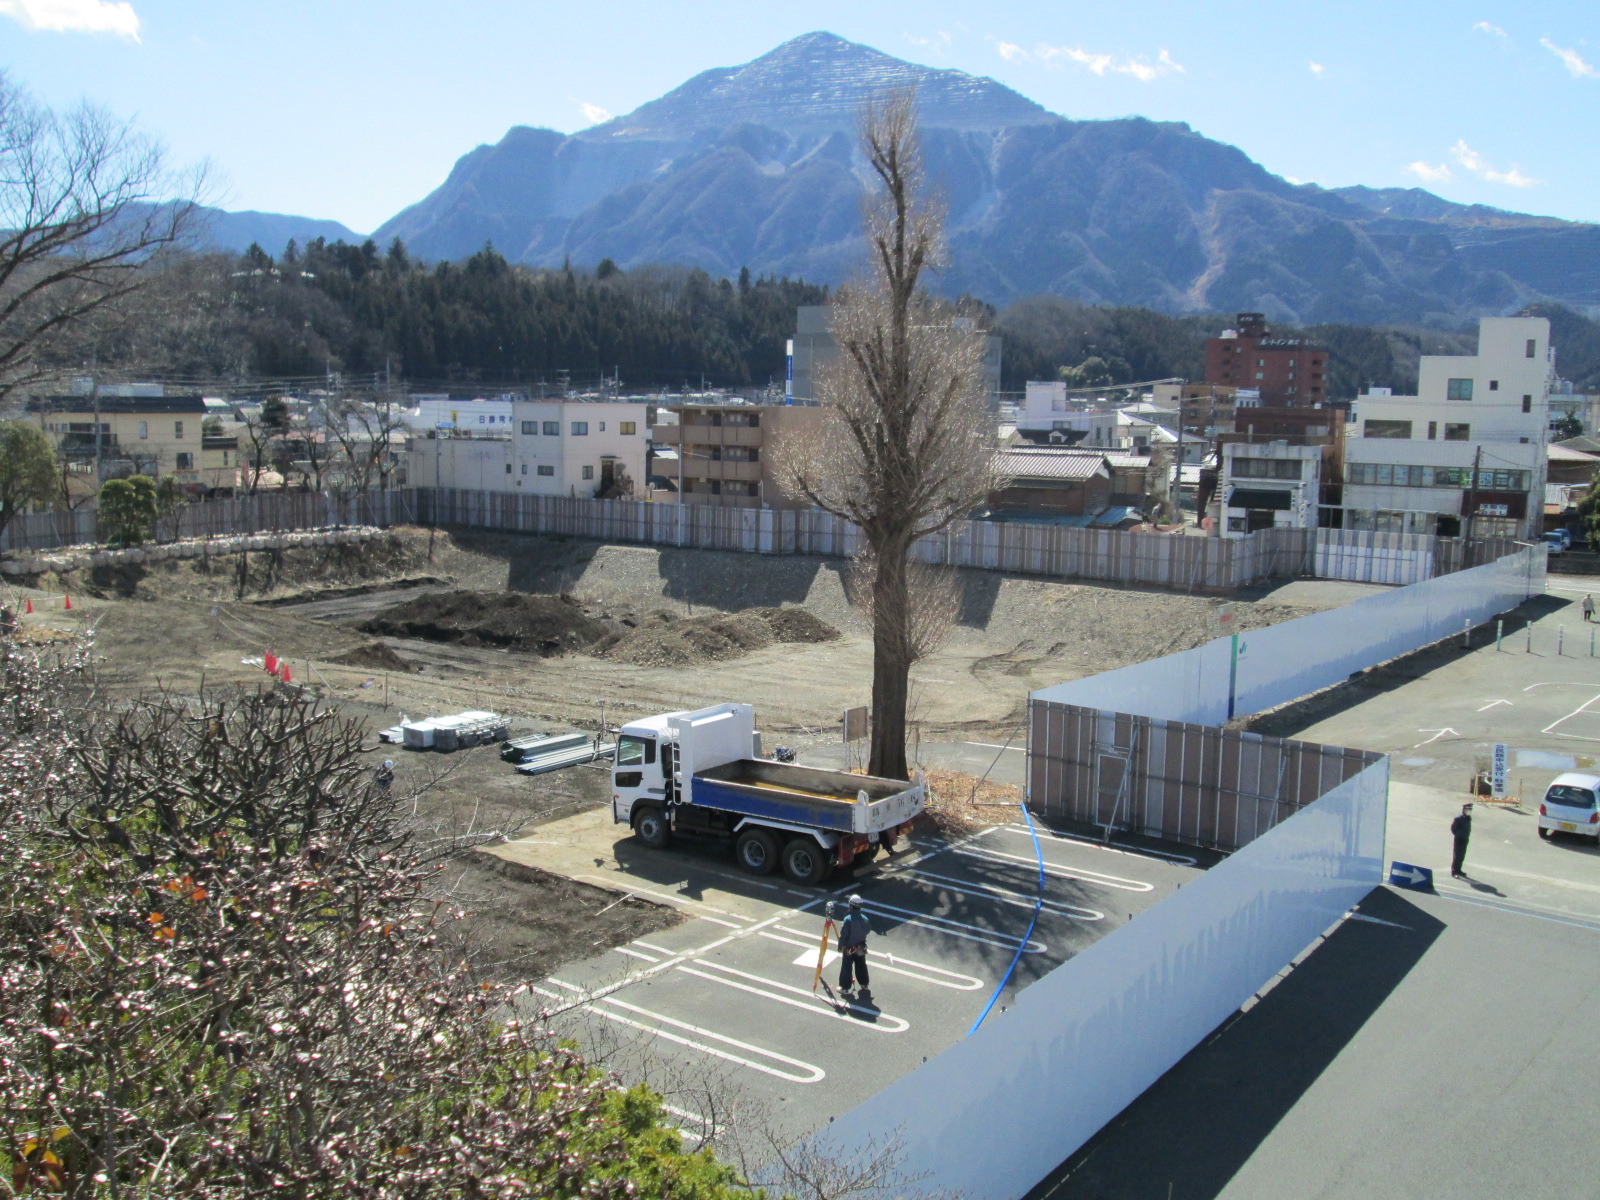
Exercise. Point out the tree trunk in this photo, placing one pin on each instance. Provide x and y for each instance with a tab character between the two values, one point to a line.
891	664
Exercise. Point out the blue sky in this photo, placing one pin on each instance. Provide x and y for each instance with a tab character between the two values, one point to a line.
352	109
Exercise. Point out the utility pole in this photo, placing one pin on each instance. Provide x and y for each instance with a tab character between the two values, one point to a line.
1472	504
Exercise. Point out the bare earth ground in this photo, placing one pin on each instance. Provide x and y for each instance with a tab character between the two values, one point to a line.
182	626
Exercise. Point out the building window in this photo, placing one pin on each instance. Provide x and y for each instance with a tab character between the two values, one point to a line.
144	428
508	468
1260	362
552	429
580	429
1266	468
1457	432
546	469
602	426
626	427
185	461
588	472
1387	429
481	420
1533	348
524	468
1260	375
1458	389
1527	404
177	429
530	427
1433	430
1494	385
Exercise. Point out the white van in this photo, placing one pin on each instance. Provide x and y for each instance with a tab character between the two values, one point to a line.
1571	805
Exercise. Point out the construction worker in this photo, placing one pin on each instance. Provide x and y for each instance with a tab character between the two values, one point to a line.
853	948
384	775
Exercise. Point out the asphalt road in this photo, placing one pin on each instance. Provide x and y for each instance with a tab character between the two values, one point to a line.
1434	1048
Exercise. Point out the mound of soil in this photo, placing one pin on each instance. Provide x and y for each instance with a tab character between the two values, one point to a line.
670	641
542	625
374	655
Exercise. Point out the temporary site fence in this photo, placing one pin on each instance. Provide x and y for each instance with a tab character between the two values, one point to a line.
264	512
1195	564
995	1113
1139	749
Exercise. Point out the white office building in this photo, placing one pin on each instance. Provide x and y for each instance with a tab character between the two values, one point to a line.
1466	454
577	448
1270	485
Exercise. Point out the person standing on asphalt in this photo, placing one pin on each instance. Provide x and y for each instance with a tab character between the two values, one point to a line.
1588	608
853	948
1461	831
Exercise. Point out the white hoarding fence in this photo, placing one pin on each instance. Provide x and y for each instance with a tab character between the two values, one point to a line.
994	1114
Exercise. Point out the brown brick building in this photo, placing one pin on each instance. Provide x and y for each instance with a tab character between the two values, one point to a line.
723	452
1288	372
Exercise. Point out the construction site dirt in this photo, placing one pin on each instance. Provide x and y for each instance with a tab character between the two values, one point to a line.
671	637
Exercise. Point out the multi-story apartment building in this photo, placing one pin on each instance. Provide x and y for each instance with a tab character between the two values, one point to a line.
1288	372
580	448
1466	454
723	452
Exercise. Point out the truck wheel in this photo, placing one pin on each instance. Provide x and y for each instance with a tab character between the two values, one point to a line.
757	851
650	823
805	862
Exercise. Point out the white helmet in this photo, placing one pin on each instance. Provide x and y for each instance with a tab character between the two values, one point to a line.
389	762
855	901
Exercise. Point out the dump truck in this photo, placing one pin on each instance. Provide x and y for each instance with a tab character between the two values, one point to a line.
700	775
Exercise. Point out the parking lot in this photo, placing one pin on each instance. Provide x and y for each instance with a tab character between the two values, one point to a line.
723	1005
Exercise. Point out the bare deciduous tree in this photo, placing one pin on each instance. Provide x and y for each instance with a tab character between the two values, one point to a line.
933	600
86	202
901	451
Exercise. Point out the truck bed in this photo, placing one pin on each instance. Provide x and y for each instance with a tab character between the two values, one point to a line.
807	795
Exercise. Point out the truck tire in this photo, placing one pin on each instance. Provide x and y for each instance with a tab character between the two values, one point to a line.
757	851
652	827
804	861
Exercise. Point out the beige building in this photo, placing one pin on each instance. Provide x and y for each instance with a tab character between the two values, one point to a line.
721	453
138	435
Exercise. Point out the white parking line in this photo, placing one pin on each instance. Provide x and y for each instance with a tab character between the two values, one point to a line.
632	953
984	891
813	1073
1087	876
996	746
882	960
652	946
959	929
1579	711
808	1002
1097	844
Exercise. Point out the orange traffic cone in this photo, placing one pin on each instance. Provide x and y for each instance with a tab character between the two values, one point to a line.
68	599
286	678
30	606
270	661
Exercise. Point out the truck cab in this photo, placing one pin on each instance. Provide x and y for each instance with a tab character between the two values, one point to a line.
700	774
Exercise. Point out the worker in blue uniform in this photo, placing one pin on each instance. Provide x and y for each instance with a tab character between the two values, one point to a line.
853	948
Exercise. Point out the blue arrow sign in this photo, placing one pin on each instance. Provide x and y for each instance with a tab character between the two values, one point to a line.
1407	876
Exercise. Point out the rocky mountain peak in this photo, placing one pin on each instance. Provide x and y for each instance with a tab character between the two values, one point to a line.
818	82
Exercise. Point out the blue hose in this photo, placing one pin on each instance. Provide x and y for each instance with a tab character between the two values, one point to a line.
1037	905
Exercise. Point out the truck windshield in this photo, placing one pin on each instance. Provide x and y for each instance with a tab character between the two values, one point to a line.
635	751
1570	797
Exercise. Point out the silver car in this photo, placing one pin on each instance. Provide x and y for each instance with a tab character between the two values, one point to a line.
1570	806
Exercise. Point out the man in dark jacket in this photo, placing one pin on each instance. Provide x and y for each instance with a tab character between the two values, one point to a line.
1461	831
853	948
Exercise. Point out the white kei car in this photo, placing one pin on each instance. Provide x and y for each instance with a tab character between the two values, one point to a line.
1570	806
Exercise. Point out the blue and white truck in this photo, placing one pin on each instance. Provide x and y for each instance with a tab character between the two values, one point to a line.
700	774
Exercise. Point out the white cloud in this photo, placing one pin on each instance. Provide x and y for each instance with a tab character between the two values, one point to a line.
1108	64
1492	30
1570	59
593	113
1316	68
1012	52
74	16
1479	166
938	43
1430	173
